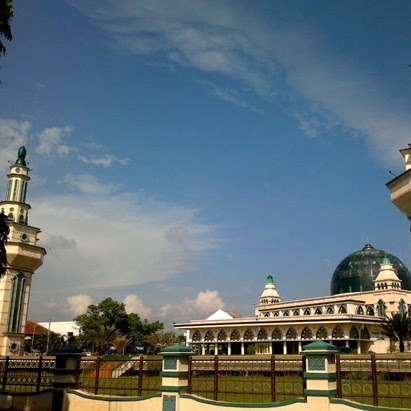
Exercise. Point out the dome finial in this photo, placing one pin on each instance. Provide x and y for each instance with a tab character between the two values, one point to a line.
368	246
21	157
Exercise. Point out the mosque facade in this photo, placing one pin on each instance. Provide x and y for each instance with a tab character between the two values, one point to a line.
24	257
366	287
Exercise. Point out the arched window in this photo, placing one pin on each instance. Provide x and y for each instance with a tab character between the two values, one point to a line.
209	337
291	334
16	303
330	309
307	334
296	312
381	308
266	314
222	336
286	313
277	335
10	217
354	334
342	309
402	308
235	336
337	333
370	310
262	335
196	337
365	335
249	335
318	311
360	310
276	314
21	219
322	334
307	311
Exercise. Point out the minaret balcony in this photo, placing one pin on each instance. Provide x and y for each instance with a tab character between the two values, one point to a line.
24	256
400	189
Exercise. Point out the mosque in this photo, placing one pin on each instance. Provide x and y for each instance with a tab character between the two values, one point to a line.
366	286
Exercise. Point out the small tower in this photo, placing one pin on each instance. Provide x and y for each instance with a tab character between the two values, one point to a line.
270	294
387	277
23	258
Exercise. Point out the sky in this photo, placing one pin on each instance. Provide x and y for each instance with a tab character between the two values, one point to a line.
182	151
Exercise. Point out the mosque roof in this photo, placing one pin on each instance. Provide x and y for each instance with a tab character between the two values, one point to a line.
357	271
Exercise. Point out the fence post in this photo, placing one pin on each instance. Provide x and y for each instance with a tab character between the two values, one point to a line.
190	369
215	378
321	376
339	379
273	394
374	380
6	370
39	373
97	377
174	375
140	376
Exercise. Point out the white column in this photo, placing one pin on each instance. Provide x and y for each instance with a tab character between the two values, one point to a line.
242	347
229	349
284	347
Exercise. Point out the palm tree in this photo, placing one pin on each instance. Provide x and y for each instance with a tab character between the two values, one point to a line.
103	337
398	328
161	339
4	232
121	343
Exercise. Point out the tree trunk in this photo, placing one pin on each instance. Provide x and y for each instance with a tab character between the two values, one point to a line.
402	348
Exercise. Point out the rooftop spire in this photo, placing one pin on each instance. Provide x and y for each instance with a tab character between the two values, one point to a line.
21	157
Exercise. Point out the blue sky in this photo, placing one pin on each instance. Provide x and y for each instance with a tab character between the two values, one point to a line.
182	151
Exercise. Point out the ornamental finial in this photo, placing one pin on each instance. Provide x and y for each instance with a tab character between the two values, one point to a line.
21	157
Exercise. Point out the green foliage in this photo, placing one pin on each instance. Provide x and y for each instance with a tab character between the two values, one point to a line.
398	328
251	349
159	339
109	313
4	232
40	343
6	14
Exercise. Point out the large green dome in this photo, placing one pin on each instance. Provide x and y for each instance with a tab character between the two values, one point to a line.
357	271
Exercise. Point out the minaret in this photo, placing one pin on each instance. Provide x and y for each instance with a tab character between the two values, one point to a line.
270	294
23	258
387	278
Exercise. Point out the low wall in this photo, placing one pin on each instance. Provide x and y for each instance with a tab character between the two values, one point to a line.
27	401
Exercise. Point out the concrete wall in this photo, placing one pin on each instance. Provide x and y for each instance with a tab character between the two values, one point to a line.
27	401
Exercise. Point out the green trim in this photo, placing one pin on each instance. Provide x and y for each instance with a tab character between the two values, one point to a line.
177	354
320	376
320	393
174	374
358	406
320	345
242	405
171	388
113	399
322	353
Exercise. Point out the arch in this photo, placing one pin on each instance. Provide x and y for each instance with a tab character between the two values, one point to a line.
10	217
365	335
16	303
307	334
370	310
262	335
330	309
402	307
360	310
276	314
291	334
286	313
209	336
322	334
338	333
354	333
307	311
296	312
318	311
249	335
21	219
342	309
235	336
277	335
196	337
381	308
222	336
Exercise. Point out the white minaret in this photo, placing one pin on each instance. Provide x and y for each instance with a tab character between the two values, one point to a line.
387	278
270	294
23	258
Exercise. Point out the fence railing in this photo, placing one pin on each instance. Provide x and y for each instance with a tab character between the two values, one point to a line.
26	374
120	377
257	379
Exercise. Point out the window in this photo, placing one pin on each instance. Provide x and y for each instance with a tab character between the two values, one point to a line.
291	334
249	335
307	311
381	308
342	309
235	336
402	308
277	335
296	312
337	333
276	314
360	310
370	310
307	334
318	311
330	310
209	336
16	304
222	336
196	337
322	334
354	334
365	335
262	335
286	313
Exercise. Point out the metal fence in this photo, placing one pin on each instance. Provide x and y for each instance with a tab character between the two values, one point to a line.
26	374
383	380
119	377
258	379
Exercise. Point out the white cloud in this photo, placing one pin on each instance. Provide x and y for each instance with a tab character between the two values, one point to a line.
50	141
77	304
88	184
101	156
134	304
105	161
294	63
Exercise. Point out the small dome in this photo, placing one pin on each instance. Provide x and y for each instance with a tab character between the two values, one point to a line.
358	271
21	157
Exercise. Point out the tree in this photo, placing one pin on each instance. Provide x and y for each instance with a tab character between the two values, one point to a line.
6	14
398	328
111	313
4	232
103	337
40	343
121	343
160	339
